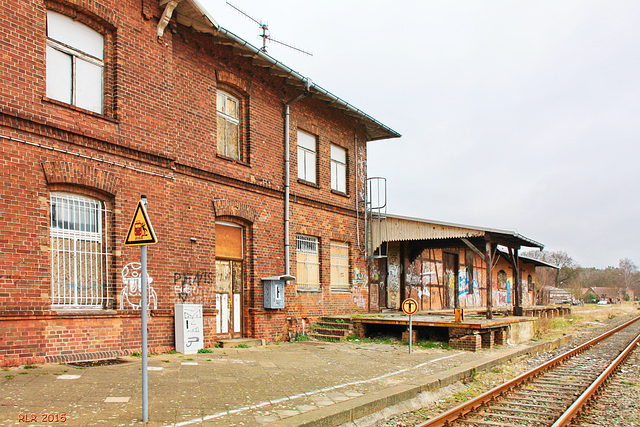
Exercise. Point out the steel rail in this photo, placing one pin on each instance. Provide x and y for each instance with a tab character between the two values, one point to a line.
573	410
463	409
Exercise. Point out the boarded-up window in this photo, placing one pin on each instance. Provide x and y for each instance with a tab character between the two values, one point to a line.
340	267
228	241
308	263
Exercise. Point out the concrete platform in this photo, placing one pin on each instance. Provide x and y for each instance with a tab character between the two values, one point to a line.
241	342
289	384
473	332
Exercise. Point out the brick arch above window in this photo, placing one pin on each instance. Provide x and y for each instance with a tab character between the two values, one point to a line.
233	208
90	12
84	175
233	80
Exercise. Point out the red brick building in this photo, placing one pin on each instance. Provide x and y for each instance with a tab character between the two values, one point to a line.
103	101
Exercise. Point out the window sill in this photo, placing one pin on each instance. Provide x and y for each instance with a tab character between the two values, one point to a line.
312	291
232	160
340	193
79	109
308	183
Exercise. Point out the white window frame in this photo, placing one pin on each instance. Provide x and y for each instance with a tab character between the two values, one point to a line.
223	113
77	42
339	268
338	169
78	220
308	263
307	149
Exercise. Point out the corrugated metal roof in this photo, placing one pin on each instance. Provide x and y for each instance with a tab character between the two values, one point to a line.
191	14
396	228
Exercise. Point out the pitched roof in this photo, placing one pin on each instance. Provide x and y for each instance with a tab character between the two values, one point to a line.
191	14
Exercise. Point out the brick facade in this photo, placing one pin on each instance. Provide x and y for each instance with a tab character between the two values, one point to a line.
157	137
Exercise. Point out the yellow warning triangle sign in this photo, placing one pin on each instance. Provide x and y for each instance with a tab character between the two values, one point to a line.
141	231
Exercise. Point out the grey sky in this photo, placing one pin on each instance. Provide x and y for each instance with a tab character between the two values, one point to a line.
521	115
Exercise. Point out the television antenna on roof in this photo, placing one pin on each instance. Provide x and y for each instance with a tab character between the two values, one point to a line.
266	35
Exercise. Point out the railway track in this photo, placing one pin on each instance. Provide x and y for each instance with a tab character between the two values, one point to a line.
552	394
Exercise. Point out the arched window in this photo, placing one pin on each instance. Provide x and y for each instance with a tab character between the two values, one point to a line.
75	63
78	252
502	279
228	110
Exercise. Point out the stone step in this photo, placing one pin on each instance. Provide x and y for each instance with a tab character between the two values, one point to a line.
235	342
334	325
327	337
331	331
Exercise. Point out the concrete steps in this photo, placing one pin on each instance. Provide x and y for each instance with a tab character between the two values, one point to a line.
332	328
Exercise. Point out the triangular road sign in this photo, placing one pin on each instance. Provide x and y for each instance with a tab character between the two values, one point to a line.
141	231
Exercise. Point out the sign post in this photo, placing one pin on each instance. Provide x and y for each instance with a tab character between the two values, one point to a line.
141	234
410	306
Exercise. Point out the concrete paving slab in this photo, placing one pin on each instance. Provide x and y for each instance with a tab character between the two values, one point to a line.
289	384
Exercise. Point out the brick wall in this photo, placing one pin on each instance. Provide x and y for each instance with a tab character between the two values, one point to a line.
157	137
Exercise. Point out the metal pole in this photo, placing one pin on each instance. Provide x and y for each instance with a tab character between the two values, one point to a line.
410	331
143	309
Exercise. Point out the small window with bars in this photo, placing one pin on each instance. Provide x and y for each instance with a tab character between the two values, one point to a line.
340	267
308	263
79	258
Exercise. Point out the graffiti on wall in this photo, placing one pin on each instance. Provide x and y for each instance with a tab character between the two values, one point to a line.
132	285
469	291
188	285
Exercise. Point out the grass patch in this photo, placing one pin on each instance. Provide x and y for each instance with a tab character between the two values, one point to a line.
9	377
166	361
303	338
29	367
630	383
242	346
136	354
205	350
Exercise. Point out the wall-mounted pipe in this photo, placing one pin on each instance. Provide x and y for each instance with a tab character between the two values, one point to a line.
287	175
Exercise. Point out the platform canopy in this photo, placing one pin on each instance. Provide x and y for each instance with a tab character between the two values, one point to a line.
419	234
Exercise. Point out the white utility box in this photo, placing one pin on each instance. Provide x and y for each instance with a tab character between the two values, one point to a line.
189	328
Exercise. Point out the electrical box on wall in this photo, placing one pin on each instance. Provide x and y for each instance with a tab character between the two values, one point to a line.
273	290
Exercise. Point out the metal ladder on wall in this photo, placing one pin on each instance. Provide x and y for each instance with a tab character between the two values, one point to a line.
375	228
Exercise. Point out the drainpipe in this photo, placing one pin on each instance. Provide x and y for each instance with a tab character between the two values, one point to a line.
287	169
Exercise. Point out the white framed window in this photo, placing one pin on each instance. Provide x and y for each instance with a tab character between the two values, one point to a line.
307	148
308	263
79	276
338	169
228	110
340	267
75	63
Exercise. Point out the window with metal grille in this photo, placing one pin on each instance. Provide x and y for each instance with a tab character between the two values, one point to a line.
75	63
338	169
308	263
340	267
78	252
228	125
307	157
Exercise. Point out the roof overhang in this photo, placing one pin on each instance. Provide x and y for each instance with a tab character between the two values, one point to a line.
438	234
191	14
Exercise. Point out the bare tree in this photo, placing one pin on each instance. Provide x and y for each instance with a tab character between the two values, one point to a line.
629	274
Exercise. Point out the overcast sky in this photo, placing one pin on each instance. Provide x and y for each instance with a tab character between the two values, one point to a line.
520	115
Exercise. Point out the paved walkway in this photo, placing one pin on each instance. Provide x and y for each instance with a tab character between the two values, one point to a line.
306	383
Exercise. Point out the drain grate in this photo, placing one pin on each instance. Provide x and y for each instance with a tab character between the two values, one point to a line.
102	362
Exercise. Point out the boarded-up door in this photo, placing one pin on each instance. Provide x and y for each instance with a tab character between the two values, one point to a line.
229	279
451	266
